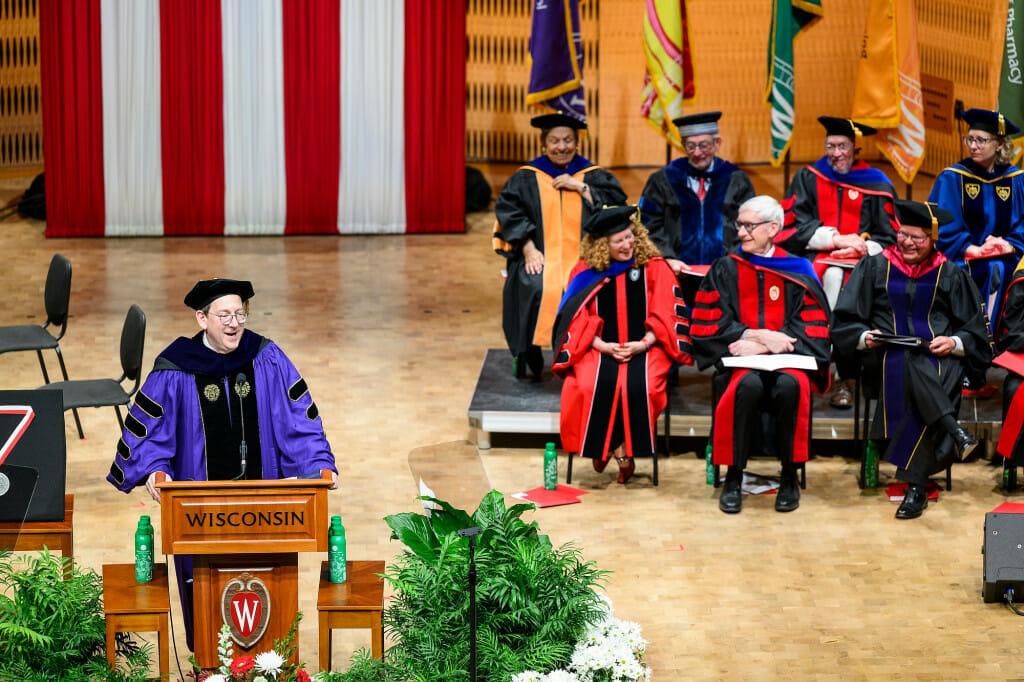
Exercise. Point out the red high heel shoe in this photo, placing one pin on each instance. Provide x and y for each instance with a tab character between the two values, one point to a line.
626	468
600	464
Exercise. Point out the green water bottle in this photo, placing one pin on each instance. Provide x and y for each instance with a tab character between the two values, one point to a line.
709	466
336	551
144	551
550	467
871	465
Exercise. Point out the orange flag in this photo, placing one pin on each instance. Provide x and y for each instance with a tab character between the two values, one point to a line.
888	93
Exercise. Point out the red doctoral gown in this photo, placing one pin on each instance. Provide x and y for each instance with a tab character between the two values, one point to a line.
598	392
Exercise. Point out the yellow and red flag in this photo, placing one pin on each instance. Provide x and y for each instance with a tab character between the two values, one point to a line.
888	93
668	80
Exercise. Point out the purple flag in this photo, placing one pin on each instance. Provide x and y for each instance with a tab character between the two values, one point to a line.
556	77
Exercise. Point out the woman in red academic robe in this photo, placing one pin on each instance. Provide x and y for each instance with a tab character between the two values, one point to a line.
621	324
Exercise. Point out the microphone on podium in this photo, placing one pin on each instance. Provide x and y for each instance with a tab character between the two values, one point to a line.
243	449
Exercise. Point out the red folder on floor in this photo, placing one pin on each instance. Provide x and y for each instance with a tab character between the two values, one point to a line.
563	494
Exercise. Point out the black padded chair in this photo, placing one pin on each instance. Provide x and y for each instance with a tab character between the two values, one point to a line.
109	392
36	337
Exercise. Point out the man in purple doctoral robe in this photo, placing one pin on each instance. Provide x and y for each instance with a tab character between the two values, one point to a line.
226	404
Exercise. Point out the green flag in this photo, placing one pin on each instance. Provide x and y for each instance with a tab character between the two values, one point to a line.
788	17
1011	83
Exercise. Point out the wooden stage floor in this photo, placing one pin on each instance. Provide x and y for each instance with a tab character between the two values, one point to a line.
389	333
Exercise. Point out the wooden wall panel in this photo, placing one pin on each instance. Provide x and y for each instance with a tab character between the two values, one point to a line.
498	74
21	122
626	138
960	40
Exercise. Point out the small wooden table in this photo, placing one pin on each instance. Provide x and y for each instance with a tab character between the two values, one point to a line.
356	603
38	534
131	606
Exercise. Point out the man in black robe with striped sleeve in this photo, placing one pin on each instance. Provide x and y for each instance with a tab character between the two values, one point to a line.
760	302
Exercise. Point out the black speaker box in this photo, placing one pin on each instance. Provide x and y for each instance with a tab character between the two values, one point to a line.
1004	556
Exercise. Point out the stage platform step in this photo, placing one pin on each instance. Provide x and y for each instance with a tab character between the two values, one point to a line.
503	404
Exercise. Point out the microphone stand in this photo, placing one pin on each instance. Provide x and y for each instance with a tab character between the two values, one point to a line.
471	533
243	449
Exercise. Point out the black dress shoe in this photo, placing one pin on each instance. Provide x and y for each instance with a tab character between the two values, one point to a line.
843	397
965	443
788	497
914	502
731	499
535	361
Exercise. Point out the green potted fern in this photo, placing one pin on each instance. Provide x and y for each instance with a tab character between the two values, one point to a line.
534	600
52	626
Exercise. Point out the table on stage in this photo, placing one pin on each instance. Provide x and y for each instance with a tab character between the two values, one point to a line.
35	535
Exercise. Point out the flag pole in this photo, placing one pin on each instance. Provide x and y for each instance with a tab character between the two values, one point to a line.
910	191
785	171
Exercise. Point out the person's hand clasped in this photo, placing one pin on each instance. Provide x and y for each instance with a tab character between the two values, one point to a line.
534	259
849	246
996	246
869	339
151	488
941	346
743	347
621	352
566	181
772	341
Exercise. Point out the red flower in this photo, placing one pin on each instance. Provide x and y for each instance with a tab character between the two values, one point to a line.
301	675
242	665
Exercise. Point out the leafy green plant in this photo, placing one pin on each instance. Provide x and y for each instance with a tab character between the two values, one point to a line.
51	623
362	668
534	601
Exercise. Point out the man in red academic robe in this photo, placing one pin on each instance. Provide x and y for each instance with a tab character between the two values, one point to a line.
843	210
761	302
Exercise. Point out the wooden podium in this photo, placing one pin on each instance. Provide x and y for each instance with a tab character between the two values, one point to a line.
245	537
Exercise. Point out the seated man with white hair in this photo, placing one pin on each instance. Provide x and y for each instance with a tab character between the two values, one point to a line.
761	301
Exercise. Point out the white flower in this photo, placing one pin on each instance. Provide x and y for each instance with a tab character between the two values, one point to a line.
611	649
216	678
269	662
528	676
259	678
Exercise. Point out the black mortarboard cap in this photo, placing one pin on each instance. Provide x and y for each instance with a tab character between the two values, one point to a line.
922	214
991	122
207	291
845	127
698	124
609	220
549	121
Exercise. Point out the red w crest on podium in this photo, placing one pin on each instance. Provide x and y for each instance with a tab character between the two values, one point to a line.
245	607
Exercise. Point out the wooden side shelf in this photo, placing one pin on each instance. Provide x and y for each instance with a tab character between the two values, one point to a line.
356	603
131	606
35	535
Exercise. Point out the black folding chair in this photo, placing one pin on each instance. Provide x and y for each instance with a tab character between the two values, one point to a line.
109	392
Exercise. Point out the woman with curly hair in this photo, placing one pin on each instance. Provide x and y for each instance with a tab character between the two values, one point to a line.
985	194
621	324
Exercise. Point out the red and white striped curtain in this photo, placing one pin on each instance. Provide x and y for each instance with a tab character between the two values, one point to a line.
244	117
